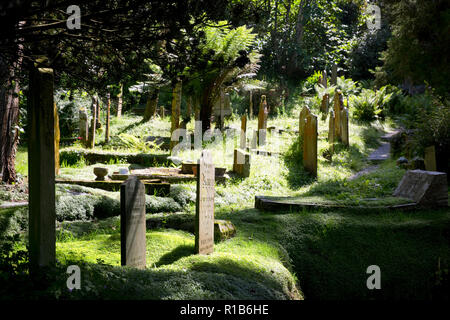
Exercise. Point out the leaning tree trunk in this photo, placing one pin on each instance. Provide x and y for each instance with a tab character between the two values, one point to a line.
9	116
152	103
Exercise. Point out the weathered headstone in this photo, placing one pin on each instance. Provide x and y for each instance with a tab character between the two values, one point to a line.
41	168
162	112
241	163
254	140
331	132
204	213
243	141
57	139
262	121
430	159
84	126
310	145
344	127
337	114
132	223
303	114
424	187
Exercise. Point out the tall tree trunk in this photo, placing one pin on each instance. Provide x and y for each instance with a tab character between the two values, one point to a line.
9	116
108	115
120	101
176	106
152	103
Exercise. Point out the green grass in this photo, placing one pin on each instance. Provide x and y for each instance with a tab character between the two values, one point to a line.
318	255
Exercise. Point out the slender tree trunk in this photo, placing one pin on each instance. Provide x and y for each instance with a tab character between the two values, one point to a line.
91	142
120	101
151	105
176	106
108	115
9	116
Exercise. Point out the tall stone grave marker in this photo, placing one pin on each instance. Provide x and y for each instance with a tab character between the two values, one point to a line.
262	121
91	140
204	213
331	132
41	168
344	127
254	144
243	141
337	114
241	163
84	126
132	223
310	145
303	114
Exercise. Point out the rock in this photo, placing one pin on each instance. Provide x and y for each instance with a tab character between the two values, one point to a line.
417	163
402	160
101	173
223	229
424	187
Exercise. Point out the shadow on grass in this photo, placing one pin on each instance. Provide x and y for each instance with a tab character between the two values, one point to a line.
293	159
176	254
131	126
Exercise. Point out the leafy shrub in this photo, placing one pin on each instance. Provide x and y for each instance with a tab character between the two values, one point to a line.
370	105
130	142
183	194
310	82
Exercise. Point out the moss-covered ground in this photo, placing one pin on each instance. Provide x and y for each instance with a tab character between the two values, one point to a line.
275	255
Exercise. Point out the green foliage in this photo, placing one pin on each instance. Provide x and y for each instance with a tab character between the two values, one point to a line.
417	49
370	105
132	143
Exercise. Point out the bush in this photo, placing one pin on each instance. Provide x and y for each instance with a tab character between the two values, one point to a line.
370	105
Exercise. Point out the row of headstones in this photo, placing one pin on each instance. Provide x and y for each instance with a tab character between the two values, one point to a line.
133	222
42	216
87	131
338	129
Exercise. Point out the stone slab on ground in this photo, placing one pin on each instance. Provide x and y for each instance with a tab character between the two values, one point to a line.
275	204
9	205
427	188
381	154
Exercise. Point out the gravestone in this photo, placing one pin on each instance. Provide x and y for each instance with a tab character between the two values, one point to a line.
162	112
84	126
132	223
262	121
324	104
310	145
204	211
430	159
108	116
424	187
57	139
241	163
41	168
344	127
303	114
254	140
331	132
243	142
324	79
337	115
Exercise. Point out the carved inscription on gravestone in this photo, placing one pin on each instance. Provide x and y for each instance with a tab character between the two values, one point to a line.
132	223
204	213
